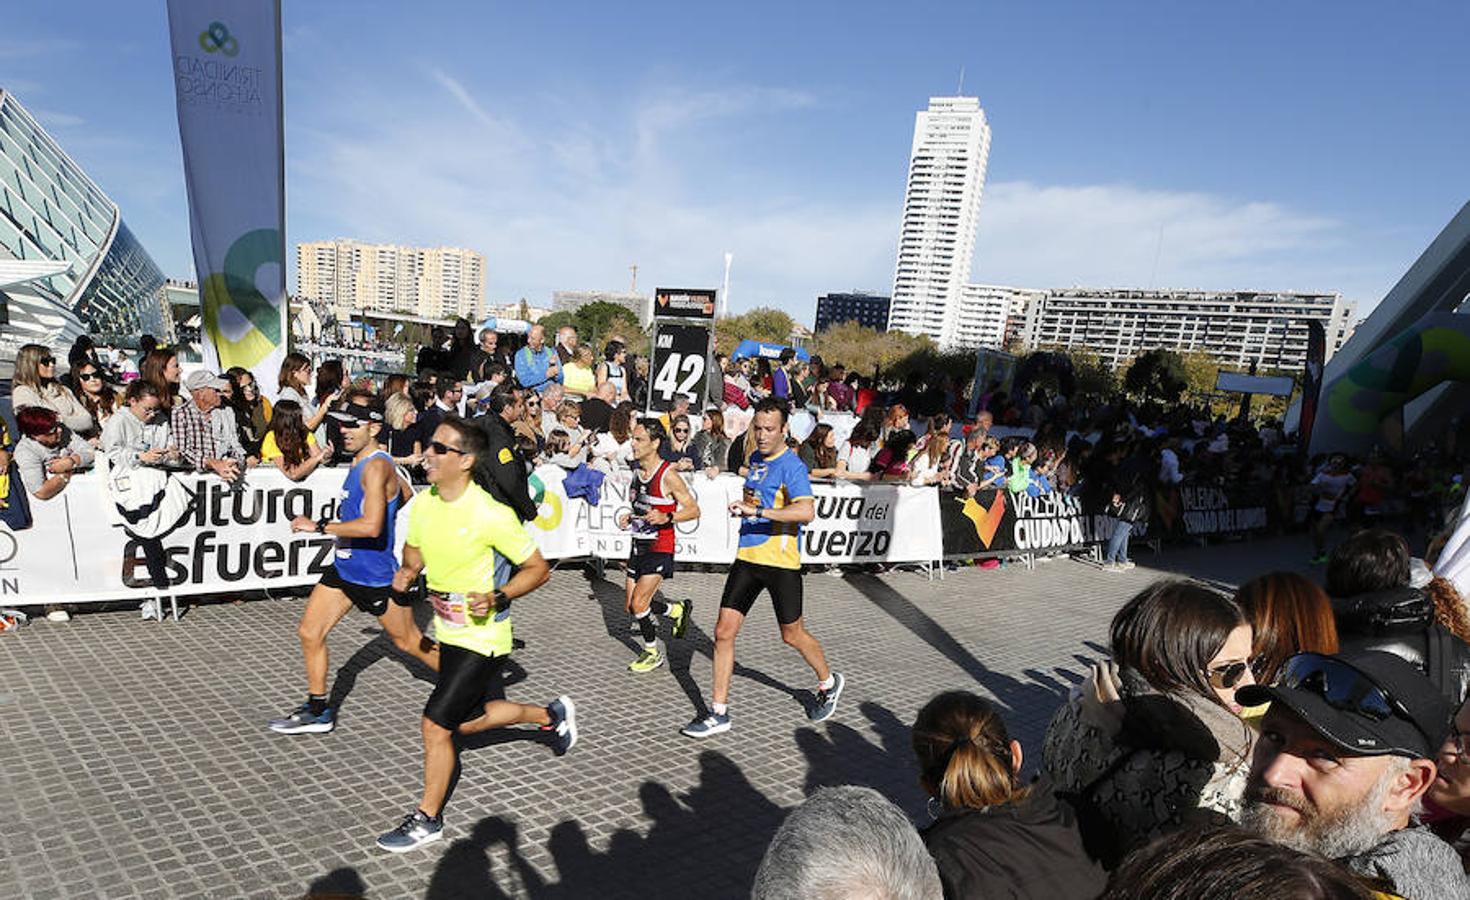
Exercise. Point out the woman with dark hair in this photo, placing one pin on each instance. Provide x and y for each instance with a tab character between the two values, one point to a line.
1152	741
612	451
160	368
994	835
856	454
397	383
289	445
331	383
1230	863
96	395
711	443
892	462
252	411
819	452
1289	614
83	350
293	383
460	358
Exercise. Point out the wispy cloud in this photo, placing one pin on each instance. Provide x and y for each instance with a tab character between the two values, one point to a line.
53	119
462	95
557	197
13	49
1125	235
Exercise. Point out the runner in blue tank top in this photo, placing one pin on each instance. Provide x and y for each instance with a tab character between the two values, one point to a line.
362	572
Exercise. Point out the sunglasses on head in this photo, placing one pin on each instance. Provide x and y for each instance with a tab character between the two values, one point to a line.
1344	688
442	448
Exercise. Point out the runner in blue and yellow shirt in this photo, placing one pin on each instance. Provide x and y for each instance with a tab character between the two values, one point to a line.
777	501
477	557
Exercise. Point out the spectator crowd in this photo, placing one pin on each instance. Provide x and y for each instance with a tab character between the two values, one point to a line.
1294	739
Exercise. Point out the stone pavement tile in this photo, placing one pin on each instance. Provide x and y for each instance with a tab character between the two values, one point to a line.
140	765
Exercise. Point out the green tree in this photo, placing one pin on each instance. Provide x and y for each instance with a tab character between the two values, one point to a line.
1200	372
760	324
861	349
1156	375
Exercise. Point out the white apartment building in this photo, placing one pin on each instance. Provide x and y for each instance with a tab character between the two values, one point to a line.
1236	327
430	282
941	206
991	315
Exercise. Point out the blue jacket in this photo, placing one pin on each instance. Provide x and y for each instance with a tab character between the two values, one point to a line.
531	368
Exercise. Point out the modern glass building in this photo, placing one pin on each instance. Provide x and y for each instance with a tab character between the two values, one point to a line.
51	211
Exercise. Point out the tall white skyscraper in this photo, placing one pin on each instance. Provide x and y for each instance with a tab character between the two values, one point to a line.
940	210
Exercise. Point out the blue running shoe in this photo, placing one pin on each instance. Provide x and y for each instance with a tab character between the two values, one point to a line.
563	724
415	831
303	721
709	726
826	703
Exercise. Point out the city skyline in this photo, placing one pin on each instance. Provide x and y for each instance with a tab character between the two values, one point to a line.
1166	148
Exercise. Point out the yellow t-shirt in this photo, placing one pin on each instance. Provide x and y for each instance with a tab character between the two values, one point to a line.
579	379
269	450
468	545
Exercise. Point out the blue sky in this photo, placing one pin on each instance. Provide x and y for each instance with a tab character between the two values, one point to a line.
1313	146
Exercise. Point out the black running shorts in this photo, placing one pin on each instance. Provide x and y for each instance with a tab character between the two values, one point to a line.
646	562
369	599
465	677
748	579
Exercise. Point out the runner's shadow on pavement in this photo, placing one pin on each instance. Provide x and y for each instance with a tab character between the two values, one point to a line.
337	884
840	754
378	648
1030	704
708	842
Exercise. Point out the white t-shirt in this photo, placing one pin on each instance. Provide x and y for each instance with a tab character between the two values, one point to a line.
857	458
1331	489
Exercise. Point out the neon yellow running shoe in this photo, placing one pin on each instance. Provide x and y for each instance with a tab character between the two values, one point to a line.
681	618
647	661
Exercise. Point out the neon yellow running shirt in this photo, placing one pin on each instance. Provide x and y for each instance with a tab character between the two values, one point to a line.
468	545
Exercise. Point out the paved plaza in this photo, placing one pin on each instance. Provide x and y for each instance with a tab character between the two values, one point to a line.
135	762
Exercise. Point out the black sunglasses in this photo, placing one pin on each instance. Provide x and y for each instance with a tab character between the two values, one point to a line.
90	376
1344	688
1228	676
442	448
47	361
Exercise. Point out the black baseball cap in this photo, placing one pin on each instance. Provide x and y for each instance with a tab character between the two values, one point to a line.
1369	703
355	414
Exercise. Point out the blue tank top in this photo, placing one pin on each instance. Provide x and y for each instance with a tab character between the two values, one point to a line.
367	561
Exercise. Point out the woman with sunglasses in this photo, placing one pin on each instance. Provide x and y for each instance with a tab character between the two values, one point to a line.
680	450
95	393
35	384
252	411
994	835
1152	741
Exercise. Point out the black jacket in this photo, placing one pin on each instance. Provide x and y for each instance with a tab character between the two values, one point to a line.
1030	849
503	472
1401	621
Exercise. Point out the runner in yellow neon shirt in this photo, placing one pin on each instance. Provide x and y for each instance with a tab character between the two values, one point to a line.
467	544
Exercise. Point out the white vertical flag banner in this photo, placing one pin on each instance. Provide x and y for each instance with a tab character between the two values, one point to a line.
227	78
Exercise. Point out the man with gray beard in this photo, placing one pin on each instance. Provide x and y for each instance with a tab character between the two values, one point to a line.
1345	753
